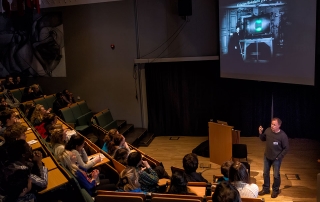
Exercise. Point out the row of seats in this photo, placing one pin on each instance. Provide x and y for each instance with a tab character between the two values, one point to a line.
105	120
78	115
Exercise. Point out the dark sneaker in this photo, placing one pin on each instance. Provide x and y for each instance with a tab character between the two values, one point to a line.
275	194
263	192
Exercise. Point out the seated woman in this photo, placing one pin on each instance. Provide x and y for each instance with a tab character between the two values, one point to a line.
108	138
226	192
118	142
129	181
239	177
38	113
48	123
58	141
87	181
27	94
14	132
75	145
178	184
121	155
68	96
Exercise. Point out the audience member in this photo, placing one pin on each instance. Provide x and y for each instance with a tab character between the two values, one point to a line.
37	115
58	141
225	171
121	155
108	138
87	181
20	154
9	84
178	183
239	177
190	165
75	145
148	178
68	96
3	105
18	187
226	192
129	181
27	94
47	124
36	92
17	82
14	132
10	99
119	141
59	103
7	117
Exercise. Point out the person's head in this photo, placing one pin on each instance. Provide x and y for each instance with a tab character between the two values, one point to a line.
117	141
15	132
76	142
50	118
225	166
109	136
129	179
59	95
9	79
19	150
3	101
8	93
27	90
8	117
238	172
35	88
178	183
121	155
134	159
58	136
66	92
226	192
18	79
38	113
18	184
275	124
68	160
190	163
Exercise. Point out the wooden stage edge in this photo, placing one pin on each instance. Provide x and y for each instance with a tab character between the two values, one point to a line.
301	161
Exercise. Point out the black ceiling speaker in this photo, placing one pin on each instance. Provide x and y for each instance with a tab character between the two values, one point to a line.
185	7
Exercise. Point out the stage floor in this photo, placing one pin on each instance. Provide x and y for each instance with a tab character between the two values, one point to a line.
301	160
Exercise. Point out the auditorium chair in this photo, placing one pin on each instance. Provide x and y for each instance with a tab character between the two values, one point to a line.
103	196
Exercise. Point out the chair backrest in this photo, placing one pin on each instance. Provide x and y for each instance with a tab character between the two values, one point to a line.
103	196
50	100
83	107
41	101
117	165
175	198
103	119
67	115
239	151
173	169
75	110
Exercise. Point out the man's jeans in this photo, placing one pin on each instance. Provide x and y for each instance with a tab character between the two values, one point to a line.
276	174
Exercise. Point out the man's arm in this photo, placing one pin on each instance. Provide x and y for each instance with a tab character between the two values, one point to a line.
262	135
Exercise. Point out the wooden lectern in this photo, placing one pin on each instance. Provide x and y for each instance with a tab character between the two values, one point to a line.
221	138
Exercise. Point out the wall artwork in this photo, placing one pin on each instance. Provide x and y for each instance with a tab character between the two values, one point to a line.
32	44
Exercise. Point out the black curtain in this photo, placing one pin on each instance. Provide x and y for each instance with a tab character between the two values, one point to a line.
184	96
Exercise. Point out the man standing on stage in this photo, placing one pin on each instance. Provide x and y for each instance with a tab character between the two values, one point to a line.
277	146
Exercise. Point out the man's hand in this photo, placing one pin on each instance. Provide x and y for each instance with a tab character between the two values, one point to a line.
146	164
260	130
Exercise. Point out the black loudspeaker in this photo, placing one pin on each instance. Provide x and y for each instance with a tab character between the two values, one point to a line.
185	7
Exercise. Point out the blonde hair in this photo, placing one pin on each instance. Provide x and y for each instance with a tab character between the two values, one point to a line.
57	137
129	179
65	160
37	114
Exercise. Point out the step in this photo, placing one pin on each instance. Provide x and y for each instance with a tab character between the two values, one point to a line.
135	135
146	140
121	123
126	129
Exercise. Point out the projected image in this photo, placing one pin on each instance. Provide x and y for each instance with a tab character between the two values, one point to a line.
273	34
